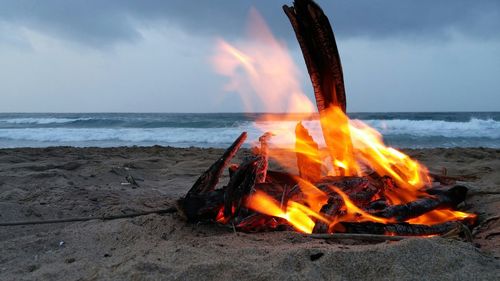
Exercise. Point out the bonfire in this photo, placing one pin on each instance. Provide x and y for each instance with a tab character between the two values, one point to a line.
355	184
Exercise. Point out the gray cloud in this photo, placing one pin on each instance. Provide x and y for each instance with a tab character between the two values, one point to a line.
100	23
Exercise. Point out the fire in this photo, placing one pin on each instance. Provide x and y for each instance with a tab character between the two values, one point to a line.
263	68
297	214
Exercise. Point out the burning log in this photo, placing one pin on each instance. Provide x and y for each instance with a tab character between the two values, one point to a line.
201	206
263	153
202	200
402	229
240	185
307	152
317	42
209	179
262	223
441	198
282	178
274	190
315	35
329	210
359	189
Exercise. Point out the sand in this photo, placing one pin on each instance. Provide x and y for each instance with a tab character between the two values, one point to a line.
49	183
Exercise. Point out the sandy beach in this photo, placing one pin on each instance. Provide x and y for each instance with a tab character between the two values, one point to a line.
65	182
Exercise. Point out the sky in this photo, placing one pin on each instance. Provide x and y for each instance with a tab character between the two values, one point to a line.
154	56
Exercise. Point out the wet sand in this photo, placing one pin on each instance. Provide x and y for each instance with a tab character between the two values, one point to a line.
62	182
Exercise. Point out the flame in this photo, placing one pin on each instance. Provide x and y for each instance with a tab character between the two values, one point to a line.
440	216
262	68
264	75
372	151
296	214
301	215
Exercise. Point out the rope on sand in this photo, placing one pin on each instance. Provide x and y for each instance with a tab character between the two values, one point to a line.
110	217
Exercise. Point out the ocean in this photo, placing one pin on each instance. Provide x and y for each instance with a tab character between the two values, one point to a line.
401	130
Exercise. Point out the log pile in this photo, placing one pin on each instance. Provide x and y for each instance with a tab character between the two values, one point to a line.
225	205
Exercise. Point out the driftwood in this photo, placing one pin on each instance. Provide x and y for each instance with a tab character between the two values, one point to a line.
209	179
239	186
202	200
315	35
317	42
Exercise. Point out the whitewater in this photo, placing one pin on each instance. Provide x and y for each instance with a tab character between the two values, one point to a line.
402	130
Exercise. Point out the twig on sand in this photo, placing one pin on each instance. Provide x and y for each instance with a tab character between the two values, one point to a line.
483	224
460	229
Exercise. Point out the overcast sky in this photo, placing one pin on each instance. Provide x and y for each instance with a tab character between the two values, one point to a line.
154	56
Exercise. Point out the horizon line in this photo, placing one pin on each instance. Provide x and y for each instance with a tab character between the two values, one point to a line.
232	112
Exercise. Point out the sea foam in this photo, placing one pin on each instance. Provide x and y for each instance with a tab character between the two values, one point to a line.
219	131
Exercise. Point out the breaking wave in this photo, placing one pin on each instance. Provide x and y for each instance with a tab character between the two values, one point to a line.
219	130
488	128
41	121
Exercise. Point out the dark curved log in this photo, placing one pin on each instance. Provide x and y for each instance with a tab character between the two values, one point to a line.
315	35
319	48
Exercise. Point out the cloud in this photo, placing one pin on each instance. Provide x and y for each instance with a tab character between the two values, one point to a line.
101	23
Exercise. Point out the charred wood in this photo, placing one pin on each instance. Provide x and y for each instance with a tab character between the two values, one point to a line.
307	153
377	205
262	223
202	206
440	198
202	201
282	178
209	179
232	169
359	189
274	190
263	153
398	228
329	210
319	48
240	185
315	36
